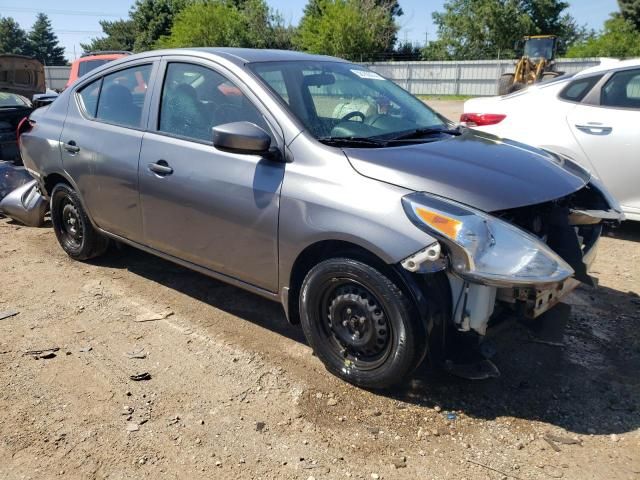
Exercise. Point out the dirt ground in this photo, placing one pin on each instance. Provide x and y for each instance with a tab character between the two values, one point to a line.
236	393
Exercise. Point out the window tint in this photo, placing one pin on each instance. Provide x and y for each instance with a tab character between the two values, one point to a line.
122	96
622	90
578	89
89	97
195	99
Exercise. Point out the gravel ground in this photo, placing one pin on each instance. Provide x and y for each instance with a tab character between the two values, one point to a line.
234	392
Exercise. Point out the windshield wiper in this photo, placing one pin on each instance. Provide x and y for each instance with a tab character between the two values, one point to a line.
421	132
352	141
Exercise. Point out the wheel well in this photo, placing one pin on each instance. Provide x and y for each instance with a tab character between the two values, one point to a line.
52	180
324	250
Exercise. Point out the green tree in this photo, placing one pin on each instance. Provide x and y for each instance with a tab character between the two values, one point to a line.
630	10
620	39
475	29
153	19
228	23
119	35
13	39
353	29
43	43
206	24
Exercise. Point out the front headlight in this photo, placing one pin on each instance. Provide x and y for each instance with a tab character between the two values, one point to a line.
484	248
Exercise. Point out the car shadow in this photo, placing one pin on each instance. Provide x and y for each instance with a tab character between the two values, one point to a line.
577	371
627	231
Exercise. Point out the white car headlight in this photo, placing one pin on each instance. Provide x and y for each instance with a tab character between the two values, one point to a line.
483	248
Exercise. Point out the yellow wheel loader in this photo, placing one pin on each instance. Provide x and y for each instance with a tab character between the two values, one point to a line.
536	65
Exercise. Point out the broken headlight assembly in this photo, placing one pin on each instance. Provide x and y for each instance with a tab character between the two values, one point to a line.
484	249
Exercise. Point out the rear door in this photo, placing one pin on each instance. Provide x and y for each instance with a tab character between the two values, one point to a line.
212	208
101	143
609	134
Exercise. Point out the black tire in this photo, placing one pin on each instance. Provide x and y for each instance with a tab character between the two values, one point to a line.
72	226
516	87
546	76
360	324
504	83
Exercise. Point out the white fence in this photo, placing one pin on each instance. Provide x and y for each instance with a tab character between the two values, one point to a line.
473	77
56	77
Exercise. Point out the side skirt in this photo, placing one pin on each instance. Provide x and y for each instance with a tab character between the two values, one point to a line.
192	266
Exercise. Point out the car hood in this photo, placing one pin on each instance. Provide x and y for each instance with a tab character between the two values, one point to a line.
477	169
21	75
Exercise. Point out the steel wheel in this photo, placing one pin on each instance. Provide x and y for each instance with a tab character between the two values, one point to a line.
356	324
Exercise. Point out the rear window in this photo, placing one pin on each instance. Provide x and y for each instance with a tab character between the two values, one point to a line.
578	89
11	100
88	65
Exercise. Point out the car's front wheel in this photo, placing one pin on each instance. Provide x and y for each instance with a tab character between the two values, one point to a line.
360	324
72	226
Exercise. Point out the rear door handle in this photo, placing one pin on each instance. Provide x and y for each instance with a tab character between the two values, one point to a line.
595	129
71	147
161	167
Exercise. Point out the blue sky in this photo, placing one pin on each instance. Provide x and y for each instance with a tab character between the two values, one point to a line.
76	21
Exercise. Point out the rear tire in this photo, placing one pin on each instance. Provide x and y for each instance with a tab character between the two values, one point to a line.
516	87
72	226
504	83
360	324
546	76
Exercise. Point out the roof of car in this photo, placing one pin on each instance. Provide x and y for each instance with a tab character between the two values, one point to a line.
607	64
245	55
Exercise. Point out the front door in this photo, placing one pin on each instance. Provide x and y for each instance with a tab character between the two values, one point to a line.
212	208
609	134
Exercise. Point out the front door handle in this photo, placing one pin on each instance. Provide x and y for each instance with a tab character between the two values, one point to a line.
595	129
71	147
161	167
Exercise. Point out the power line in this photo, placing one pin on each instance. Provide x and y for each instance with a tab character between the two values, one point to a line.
60	12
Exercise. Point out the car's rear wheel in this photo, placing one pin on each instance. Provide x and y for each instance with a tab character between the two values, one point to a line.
72	226
360	324
505	82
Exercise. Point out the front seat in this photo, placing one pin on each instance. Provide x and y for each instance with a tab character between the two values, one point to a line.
182	114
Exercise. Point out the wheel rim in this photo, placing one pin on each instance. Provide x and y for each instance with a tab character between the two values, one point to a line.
70	224
355	324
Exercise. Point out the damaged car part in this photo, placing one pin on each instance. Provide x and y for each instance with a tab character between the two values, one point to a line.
25	204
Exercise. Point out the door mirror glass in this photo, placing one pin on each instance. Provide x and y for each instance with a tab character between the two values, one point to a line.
241	137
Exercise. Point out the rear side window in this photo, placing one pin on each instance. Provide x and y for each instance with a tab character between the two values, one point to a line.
89	97
578	89
622	90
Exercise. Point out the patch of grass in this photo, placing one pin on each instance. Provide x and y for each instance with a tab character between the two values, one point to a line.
444	97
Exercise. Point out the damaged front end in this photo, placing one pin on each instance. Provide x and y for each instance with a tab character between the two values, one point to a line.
525	259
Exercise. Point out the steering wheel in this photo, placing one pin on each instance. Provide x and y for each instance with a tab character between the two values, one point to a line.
350	115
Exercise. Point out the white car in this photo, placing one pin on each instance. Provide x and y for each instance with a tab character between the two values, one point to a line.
592	117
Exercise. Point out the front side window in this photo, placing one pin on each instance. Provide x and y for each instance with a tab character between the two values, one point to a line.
342	100
195	99
122	96
622	90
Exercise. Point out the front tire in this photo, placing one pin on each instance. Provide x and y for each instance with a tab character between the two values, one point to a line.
360	324
72	226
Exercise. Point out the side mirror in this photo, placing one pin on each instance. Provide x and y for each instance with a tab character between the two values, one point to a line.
242	137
